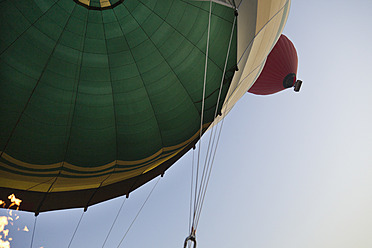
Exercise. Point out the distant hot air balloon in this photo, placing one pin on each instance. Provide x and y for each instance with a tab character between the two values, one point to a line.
280	70
99	97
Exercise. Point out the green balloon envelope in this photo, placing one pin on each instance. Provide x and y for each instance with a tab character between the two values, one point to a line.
97	99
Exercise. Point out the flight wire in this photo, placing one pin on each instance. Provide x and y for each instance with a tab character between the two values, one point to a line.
139	211
211	150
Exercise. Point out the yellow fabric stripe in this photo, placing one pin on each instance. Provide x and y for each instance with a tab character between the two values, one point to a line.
105	3
68	184
102	167
86	2
10	180
33	166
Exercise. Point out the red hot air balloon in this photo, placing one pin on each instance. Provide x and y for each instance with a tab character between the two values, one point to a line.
279	71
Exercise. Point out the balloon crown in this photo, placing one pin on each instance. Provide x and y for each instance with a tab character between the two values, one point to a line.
99	4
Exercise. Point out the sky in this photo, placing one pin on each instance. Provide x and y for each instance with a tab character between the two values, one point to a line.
292	169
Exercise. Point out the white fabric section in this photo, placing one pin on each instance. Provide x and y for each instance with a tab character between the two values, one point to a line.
251	54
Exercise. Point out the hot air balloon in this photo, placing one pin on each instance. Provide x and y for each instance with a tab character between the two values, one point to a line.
99	97
280	70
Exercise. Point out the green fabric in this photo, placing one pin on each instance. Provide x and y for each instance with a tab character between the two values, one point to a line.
90	87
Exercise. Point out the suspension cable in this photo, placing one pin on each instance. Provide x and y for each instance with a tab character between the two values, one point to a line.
200	191
191	185
139	211
117	215
77	226
33	232
202	108
213	144
209	174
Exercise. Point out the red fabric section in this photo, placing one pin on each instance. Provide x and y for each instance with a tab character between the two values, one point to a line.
282	60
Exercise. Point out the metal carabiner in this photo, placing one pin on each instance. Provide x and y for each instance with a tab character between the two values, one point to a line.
190	238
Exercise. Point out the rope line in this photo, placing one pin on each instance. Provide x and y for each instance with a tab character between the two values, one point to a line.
117	215
73	101
209	174
208	160
77	226
201	184
213	157
33	232
202	110
139	211
191	185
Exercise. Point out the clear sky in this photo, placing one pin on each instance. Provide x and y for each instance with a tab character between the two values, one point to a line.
292	169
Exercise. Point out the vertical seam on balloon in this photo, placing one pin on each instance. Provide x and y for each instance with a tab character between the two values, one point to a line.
73	111
115	119
140	75
113	101
172	70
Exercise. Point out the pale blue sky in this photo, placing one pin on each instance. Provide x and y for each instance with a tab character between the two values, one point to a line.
292	169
